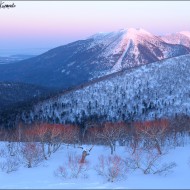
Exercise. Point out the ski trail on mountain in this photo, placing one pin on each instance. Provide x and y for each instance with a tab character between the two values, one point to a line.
118	65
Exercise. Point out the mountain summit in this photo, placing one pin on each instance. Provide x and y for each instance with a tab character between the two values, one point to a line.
98	55
131	47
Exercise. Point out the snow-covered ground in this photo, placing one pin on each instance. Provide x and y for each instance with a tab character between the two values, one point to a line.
43	176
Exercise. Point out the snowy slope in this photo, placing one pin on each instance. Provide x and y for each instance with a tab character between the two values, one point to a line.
42	176
155	90
118	65
182	38
186	33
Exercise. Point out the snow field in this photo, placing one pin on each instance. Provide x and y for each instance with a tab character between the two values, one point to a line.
43	175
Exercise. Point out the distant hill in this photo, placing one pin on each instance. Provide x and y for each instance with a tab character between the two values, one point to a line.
14	58
12	94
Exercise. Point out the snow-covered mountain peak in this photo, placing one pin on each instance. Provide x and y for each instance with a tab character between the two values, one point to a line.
182	38
127	33
186	33
129	46
137	36
136	33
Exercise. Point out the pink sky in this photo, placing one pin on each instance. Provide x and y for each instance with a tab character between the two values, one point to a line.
47	24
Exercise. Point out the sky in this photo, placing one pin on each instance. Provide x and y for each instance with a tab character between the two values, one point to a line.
33	27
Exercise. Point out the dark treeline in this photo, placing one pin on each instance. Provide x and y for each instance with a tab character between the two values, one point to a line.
153	133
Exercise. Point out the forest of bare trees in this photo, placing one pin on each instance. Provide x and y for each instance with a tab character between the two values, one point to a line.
145	142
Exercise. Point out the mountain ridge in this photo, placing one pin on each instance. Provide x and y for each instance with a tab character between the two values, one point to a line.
81	61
